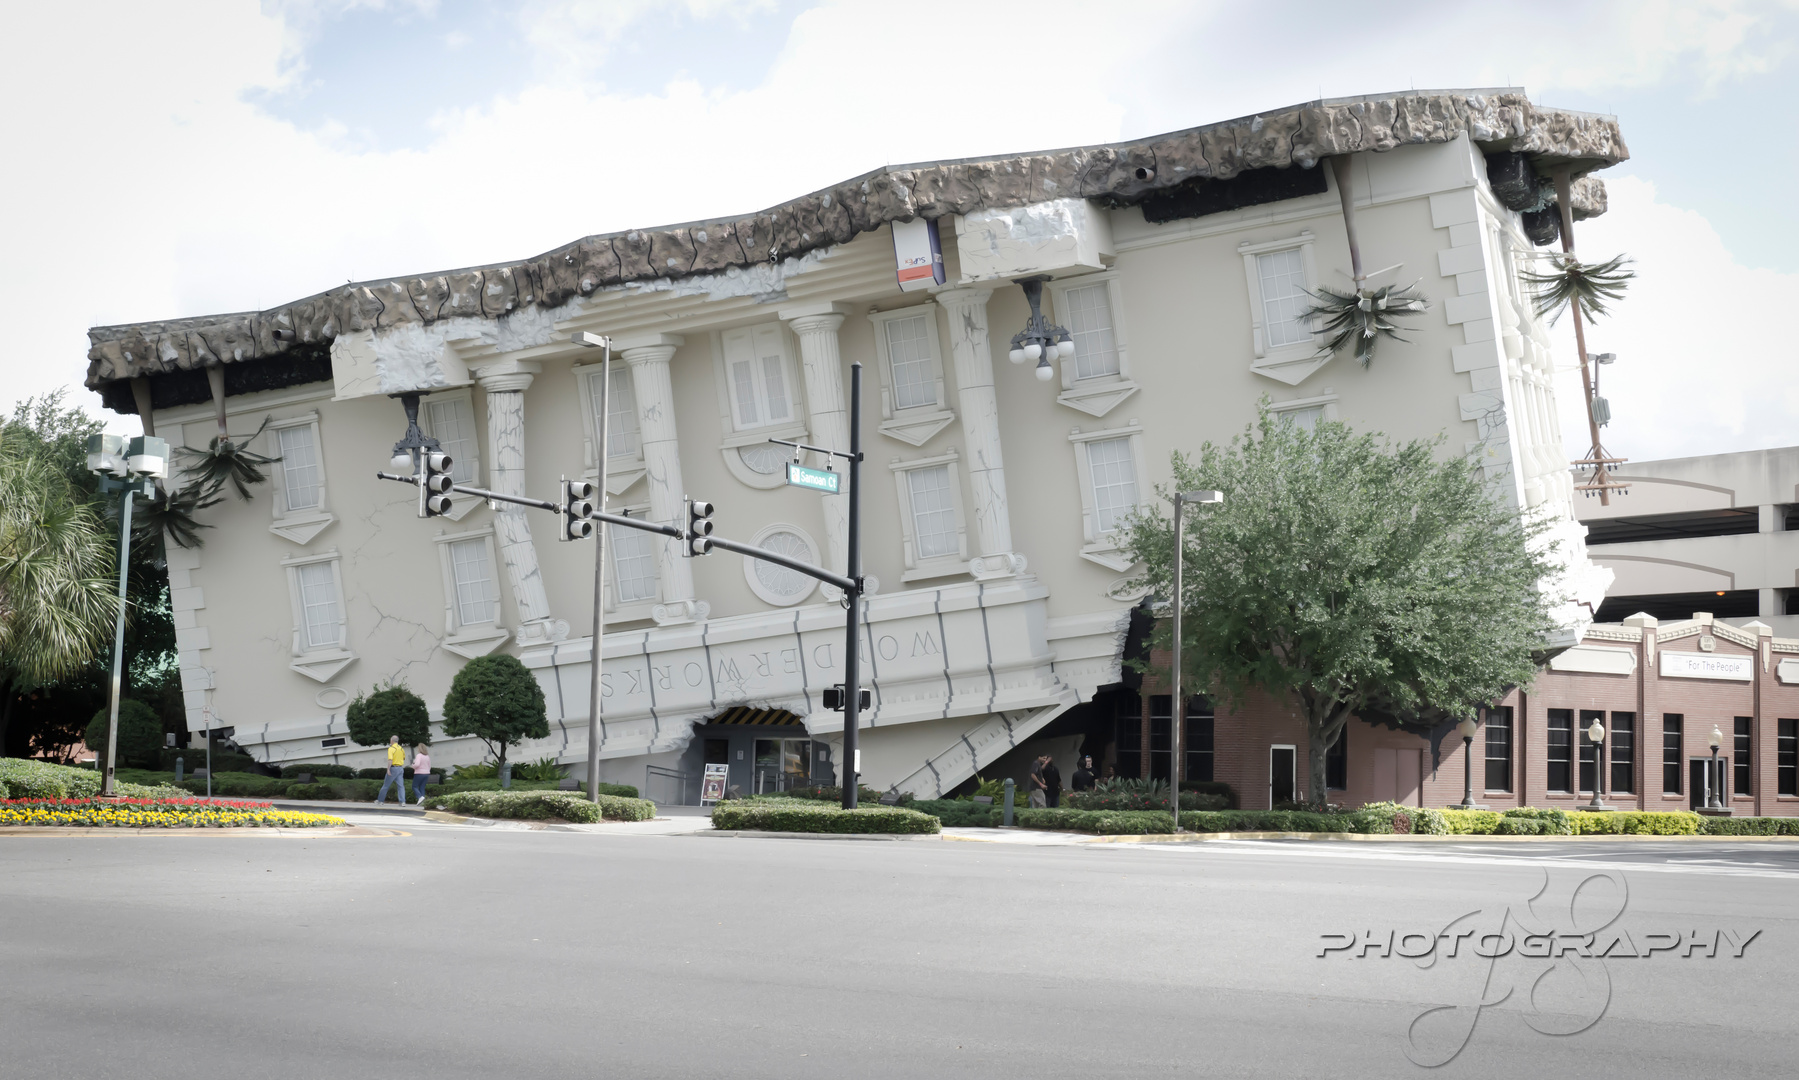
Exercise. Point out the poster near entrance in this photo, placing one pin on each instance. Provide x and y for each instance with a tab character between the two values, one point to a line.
712	785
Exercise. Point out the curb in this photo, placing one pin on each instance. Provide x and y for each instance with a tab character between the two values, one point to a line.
757	833
1404	838
325	833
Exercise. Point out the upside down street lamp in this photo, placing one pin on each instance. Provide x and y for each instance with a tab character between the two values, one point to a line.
1596	735
126	467
1466	727
1040	340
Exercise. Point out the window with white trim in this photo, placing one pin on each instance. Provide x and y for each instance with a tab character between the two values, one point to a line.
1109	465
932	534
760	376
776	584
1284	297
759	398
1306	412
910	362
622	433
300	496
633	554
450	419
1098	376
471	569
471	593
1282	278
315	584
1089	315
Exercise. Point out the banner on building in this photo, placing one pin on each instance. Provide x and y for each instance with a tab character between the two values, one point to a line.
918	254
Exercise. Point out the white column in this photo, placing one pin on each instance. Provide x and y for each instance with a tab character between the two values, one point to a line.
654	390
973	354
505	385
821	359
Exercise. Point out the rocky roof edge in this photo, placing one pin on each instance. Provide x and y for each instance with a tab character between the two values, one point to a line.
1123	173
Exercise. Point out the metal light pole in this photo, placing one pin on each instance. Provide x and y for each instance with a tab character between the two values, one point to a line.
852	683
1466	727
1714	777
1596	735
594	341
143	458
1179	711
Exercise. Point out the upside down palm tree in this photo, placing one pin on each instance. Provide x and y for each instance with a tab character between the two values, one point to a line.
1359	318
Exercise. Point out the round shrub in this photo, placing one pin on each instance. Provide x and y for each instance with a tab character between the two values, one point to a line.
389	711
140	735
496	699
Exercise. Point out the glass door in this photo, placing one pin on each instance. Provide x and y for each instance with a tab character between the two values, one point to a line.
782	764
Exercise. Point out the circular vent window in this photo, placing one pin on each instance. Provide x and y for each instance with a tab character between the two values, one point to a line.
777	584
766	458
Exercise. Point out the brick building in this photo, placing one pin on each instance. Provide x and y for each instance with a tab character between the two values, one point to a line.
1659	689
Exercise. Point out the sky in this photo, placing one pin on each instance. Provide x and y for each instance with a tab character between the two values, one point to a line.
203	156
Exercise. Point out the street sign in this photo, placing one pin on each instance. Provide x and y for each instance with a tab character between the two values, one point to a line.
816	479
712	786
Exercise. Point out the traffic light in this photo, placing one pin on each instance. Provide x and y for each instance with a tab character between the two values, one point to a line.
835	698
434	484
577	507
699	528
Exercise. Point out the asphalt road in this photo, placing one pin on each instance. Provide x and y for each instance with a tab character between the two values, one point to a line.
464	952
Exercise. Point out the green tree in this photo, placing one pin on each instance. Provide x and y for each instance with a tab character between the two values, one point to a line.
140	735
58	600
496	699
390	710
1354	575
47	716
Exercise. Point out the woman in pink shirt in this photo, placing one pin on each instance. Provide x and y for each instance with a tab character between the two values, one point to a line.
421	770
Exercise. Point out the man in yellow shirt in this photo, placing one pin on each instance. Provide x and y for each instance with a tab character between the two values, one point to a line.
396	771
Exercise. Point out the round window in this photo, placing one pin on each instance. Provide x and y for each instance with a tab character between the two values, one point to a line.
765	458
773	582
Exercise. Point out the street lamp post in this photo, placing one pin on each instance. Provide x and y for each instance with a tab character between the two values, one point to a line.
595	341
1714	777
1596	735
1179	711
127	468
1466	727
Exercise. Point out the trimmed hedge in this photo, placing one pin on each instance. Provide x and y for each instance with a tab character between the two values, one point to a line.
22	778
1636	823
536	805
1132	800
1105	822
960	813
195	758
802	815
1749	826
318	771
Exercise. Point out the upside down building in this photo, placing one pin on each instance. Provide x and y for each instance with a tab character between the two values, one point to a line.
999	610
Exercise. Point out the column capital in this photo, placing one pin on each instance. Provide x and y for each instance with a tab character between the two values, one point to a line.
648	354
507	375
792	312
963	297
828	323
631	342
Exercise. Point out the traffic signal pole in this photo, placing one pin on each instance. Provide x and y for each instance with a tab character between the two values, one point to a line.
852	599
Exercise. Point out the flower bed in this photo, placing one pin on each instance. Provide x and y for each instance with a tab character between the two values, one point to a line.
156	814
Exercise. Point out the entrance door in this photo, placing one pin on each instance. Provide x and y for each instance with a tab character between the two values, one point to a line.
1703	779
782	764
1280	774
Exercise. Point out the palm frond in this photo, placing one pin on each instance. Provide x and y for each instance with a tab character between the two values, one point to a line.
225	460
57	598
1572	281
170	515
1364	316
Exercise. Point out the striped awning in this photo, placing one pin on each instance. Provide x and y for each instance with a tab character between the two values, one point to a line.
748	715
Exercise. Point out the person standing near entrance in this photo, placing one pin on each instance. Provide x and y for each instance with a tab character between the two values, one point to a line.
421	771
1083	775
396	771
1039	790
1052	782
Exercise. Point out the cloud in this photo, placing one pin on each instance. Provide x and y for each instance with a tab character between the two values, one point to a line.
155	186
1706	354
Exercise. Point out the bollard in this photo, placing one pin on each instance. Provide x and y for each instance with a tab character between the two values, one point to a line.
1010	786
180	766
506	776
